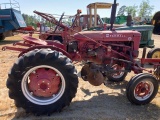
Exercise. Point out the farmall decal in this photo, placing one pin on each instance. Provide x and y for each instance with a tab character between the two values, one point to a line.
115	35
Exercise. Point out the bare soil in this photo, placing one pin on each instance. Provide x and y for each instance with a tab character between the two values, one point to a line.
98	103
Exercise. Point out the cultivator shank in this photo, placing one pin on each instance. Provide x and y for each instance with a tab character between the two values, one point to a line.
157	71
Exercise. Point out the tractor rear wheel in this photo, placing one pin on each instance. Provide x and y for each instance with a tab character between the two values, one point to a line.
2	37
142	88
42	81
117	76
154	53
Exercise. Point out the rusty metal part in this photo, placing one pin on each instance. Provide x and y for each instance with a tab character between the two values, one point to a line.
91	73
157	72
143	55
95	78
84	72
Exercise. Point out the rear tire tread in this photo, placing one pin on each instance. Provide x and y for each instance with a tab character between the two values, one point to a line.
33	58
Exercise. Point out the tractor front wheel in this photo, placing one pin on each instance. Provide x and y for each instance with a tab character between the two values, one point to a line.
117	76
142	88
42	81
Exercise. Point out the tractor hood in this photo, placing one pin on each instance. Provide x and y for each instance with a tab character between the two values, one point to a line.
124	35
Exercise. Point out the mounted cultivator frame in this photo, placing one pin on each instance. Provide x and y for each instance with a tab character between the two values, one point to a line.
45	79
58	33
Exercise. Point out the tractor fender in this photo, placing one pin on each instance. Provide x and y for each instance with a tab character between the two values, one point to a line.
46	46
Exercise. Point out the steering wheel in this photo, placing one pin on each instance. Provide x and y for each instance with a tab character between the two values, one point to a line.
59	22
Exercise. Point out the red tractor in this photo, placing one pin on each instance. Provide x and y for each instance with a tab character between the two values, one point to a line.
44	80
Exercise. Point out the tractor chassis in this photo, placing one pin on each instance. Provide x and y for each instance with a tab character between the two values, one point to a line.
140	90
44	76
27	46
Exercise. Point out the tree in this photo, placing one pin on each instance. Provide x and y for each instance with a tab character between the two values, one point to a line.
121	10
145	9
132	10
30	20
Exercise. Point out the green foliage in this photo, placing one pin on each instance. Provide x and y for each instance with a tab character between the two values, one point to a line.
121	11
132	10
145	9
33	20
30	20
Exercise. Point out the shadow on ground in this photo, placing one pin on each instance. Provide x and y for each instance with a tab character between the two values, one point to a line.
101	106
4	42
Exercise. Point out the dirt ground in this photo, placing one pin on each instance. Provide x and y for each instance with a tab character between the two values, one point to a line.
97	103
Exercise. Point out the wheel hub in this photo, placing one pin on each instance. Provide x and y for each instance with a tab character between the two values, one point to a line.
44	82
117	74
43	86
142	89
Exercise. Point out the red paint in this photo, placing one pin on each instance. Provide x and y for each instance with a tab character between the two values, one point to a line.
150	60
44	82
142	89
28	28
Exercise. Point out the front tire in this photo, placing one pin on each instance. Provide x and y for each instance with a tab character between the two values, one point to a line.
117	76
142	89
42	81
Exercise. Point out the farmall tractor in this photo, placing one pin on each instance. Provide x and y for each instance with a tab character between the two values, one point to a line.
44	80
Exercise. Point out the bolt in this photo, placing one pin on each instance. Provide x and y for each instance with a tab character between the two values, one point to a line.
57	75
38	84
43	81
34	72
48	88
53	95
48	83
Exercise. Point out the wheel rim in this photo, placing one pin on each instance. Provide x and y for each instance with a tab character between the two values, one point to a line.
143	90
156	54
43	85
117	74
